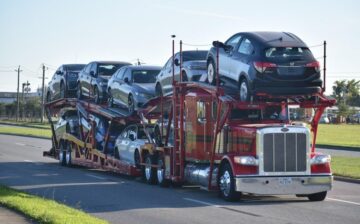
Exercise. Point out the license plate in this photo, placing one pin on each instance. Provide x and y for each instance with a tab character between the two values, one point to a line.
285	180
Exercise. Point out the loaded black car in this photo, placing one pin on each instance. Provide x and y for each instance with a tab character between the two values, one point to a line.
262	63
93	79
64	82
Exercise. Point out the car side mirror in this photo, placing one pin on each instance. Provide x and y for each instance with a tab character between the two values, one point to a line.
58	72
126	80
92	73
177	62
132	137
219	44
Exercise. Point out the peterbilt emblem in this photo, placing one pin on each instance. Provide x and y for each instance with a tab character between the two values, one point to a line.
292	63
284	129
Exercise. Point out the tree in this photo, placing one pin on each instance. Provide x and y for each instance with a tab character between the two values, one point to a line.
347	92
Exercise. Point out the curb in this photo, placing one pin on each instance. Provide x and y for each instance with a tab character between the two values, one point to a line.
347	179
29	136
344	148
25	126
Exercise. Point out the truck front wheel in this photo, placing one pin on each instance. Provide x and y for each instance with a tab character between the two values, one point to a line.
226	184
317	196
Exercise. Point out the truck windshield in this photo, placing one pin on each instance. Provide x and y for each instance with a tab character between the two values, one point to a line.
269	113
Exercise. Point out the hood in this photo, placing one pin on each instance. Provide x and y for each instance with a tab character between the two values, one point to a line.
104	78
199	64
147	88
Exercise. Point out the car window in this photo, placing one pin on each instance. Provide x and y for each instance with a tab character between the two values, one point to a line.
107	69
233	41
145	76
168	63
93	68
120	73
127	74
288	53
194	55
246	47
87	68
124	134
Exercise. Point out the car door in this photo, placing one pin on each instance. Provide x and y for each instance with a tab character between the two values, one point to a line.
116	85
225	55
56	84
123	94
167	79
125	147
92	79
84	78
239	62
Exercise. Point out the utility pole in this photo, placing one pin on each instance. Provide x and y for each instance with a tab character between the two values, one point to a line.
43	95
17	95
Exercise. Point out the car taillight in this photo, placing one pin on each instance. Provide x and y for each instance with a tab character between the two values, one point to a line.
315	65
262	66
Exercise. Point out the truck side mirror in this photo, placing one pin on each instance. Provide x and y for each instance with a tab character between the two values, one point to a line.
58	72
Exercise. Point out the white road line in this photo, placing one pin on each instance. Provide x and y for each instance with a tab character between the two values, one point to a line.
28	161
339	200
21	144
97	177
202	202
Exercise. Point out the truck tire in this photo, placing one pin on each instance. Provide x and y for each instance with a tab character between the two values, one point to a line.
226	184
62	155
149	172
317	196
160	174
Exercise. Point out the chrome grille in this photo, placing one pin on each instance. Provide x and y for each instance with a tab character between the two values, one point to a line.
285	152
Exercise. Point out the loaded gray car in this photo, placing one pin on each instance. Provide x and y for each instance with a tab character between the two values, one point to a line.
132	86
193	67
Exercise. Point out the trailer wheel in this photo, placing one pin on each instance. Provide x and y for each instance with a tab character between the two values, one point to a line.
160	174
62	155
149	171
211	72
317	196
68	155
226	184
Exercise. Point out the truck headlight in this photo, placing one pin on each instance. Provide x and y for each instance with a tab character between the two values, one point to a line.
246	160
320	159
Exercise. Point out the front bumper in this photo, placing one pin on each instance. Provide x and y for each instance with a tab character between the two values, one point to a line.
282	185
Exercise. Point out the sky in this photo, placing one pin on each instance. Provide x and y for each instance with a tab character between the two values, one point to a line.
54	32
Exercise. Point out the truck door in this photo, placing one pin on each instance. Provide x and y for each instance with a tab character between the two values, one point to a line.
204	131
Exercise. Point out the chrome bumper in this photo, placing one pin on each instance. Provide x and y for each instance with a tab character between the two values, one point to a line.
270	185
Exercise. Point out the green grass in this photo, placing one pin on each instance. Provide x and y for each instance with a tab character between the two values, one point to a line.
27	124
25	131
339	135
44	210
346	166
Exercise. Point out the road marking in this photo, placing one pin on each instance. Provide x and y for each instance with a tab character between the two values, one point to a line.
21	144
97	177
339	200
29	187
222	207
28	161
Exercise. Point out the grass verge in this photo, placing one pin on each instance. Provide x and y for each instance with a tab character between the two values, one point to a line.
26	124
44	210
46	133
346	166
339	135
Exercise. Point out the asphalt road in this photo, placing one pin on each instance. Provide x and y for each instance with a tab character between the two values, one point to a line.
121	199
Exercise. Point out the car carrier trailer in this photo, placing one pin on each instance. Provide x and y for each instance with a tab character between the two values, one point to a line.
205	136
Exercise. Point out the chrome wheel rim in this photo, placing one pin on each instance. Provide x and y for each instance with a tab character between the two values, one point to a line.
210	73
225	183
243	91
61	156
160	171
68	157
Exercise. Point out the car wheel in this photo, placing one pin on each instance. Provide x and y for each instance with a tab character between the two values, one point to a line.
244	90
110	99
317	196
62	91
79	91
211	72
96	95
160	173
131	104
158	90
137	159
226	184
48	97
184	77
149	171
62	152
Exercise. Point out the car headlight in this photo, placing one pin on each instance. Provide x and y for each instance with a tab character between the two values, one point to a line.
141	94
320	159
246	160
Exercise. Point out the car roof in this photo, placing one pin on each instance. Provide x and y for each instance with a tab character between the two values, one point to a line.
193	51
142	67
111	62
276	39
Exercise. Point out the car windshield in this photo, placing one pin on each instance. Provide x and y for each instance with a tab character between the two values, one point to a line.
74	67
194	55
286	53
108	69
145	76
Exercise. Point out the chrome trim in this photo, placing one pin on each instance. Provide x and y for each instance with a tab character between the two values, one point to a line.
273	130
273	185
